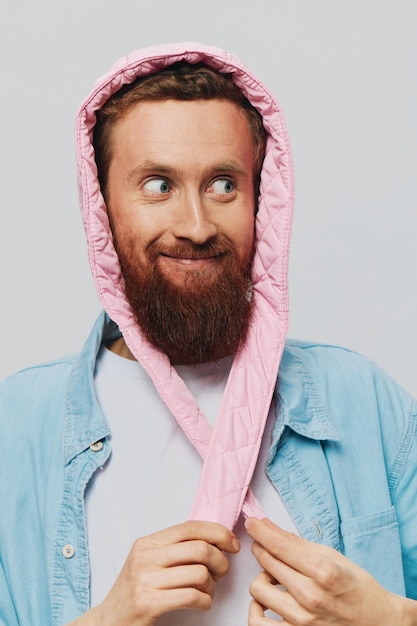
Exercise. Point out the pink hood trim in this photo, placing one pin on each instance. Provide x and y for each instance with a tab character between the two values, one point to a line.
230	449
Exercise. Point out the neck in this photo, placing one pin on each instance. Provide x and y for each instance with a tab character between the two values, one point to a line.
120	348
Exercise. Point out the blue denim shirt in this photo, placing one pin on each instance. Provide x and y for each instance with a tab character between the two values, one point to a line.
343	458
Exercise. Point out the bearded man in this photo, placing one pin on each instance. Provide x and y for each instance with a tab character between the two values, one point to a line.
190	455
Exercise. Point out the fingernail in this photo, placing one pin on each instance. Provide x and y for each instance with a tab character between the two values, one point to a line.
248	523
235	544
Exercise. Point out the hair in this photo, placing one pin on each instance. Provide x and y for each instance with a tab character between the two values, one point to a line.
180	81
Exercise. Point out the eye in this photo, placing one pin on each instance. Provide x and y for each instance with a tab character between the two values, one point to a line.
223	186
157	185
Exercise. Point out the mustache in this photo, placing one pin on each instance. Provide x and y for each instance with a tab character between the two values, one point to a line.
188	249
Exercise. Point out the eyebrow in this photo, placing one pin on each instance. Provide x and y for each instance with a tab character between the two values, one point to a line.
155	167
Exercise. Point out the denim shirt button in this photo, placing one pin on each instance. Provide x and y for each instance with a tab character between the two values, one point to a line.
97	446
318	528
68	551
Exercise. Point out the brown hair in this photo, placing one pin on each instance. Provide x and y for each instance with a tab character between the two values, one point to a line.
181	81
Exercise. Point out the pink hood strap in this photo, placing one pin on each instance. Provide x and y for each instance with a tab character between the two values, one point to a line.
220	465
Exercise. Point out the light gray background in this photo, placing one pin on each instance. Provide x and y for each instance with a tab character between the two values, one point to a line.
345	74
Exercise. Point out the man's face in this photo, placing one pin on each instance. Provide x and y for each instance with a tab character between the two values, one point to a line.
181	201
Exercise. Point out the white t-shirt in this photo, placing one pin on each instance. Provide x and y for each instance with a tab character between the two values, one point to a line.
151	478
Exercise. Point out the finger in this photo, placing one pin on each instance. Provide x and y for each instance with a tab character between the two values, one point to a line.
304	556
299	586
323	596
211	532
269	595
204	553
195	576
184	553
257	616
278	570
174	599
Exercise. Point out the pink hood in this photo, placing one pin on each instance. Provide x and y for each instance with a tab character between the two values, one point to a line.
230	449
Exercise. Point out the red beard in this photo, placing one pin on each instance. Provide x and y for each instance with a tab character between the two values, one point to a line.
203	319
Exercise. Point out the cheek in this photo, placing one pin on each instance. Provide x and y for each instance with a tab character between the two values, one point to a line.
245	232
135	231
243	241
127	240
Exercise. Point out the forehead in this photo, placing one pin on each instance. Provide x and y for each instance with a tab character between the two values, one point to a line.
173	125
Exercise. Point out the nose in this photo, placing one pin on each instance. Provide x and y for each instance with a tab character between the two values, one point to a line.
192	220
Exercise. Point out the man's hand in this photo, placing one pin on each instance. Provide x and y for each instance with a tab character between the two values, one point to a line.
175	568
321	586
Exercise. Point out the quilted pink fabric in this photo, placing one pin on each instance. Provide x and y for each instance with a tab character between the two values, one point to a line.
230	449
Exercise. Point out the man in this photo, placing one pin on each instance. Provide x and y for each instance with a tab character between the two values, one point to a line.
128	470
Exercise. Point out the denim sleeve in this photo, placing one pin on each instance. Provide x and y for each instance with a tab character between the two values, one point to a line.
8	615
403	485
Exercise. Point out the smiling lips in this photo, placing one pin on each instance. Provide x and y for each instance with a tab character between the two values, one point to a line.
194	262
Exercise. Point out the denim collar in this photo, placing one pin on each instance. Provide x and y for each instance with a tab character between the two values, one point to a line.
300	405
84	420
